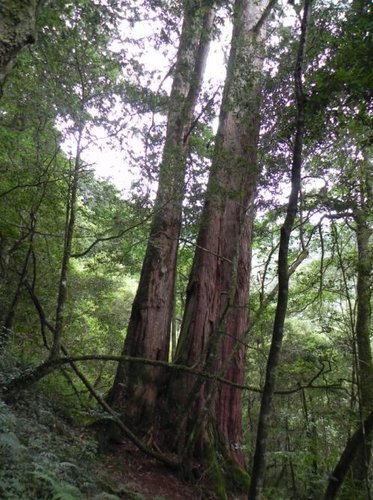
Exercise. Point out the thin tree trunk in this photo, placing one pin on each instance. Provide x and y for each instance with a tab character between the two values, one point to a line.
69	231
290	461
312	445
9	317
258	472
354	443
10	314
148	333
363	327
215	315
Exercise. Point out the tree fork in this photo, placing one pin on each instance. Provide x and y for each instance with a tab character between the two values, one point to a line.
221	266
154	300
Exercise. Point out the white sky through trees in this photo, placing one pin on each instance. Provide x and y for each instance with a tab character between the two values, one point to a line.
106	157
108	160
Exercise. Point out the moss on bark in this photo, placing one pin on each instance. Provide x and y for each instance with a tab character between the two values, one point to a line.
17	29
226	476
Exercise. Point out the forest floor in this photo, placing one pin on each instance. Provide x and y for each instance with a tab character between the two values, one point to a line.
139	476
45	453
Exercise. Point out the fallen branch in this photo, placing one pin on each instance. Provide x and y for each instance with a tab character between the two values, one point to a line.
42	371
126	431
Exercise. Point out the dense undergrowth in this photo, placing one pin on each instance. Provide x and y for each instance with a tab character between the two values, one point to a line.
46	449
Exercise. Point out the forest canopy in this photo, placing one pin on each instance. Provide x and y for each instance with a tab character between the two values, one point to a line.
217	312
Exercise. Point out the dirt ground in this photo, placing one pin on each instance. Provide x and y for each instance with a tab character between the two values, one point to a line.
132	474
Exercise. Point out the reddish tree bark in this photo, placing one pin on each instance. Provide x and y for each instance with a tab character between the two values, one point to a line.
215	315
148	333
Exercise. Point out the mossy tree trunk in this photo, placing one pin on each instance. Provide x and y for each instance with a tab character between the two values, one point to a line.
135	388
363	325
208	417
17	29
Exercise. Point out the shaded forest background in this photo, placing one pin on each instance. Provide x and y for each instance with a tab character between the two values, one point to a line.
218	313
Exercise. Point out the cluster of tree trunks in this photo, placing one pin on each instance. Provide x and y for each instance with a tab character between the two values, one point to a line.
215	317
148	333
199	417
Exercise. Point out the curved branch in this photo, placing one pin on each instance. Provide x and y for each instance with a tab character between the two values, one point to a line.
114	237
33	375
356	440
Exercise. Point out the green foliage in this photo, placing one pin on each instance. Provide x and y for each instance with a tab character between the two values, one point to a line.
81	69
43	456
55	489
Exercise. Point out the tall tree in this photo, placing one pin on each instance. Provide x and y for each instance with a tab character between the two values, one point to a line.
364	231
148	333
343	98
352	201
215	314
258	471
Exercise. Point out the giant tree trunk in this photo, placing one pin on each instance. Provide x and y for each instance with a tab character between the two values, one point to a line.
17	29
215	315
148	333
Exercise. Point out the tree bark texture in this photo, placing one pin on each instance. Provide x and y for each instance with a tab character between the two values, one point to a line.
17	29
148	333
259	462
364	317
215	315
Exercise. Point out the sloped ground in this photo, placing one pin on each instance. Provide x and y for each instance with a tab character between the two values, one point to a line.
132	473
45	455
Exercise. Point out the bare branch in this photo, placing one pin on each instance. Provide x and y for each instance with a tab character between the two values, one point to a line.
116	236
264	16
34	375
